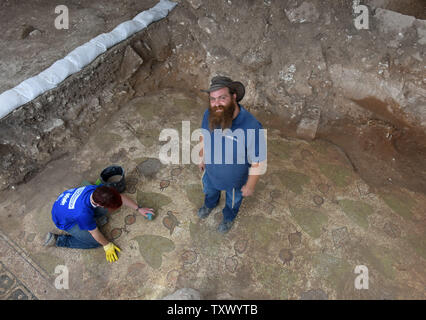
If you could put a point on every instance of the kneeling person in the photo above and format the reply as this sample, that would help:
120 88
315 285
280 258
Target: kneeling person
79 211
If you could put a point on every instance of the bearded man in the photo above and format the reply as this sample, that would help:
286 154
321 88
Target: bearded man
233 153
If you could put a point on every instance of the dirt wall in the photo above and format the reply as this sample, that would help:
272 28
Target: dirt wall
306 68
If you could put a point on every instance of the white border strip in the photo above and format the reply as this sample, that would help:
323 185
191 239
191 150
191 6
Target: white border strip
79 58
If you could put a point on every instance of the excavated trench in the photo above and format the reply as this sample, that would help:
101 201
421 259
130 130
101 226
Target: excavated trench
349 189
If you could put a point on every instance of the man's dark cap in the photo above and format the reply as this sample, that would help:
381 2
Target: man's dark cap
220 82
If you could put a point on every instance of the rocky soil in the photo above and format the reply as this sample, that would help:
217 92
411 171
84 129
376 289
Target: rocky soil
308 71
346 116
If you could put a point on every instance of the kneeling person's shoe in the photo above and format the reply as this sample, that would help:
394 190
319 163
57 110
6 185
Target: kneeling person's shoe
50 240
224 227
204 212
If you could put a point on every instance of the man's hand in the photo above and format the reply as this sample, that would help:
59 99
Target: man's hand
202 166
145 211
110 253
247 190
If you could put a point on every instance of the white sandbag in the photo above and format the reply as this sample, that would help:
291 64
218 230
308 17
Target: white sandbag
9 101
128 28
33 87
145 17
105 40
159 11
58 71
79 58
157 14
164 7
85 54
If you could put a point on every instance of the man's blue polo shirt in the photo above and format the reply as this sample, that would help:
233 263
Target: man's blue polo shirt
73 207
229 169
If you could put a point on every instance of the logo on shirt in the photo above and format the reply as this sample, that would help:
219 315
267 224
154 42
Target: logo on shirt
74 197
64 198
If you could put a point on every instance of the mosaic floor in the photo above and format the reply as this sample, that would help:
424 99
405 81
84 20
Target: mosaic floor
311 222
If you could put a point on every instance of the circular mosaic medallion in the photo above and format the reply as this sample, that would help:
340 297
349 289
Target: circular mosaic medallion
231 264
276 194
240 246
295 238
286 255
176 171
318 200
172 275
131 180
323 188
164 184
189 257
130 219
392 230
131 188
115 233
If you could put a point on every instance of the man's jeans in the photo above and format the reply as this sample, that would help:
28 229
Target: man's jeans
80 239
234 198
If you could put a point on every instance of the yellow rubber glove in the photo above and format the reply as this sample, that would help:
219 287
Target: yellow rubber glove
110 248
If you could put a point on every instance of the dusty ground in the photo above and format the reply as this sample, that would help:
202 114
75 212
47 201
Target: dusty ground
310 223
320 210
262 60
24 55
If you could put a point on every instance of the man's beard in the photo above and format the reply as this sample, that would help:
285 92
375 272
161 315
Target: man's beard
223 119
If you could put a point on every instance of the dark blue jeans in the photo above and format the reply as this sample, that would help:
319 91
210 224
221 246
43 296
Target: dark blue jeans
80 239
234 198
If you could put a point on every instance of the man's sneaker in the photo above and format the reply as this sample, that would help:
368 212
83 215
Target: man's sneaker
204 212
225 226
50 239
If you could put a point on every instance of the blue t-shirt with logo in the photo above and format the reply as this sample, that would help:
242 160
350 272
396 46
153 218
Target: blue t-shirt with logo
228 154
73 207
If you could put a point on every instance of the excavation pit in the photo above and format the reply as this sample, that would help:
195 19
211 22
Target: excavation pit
353 195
